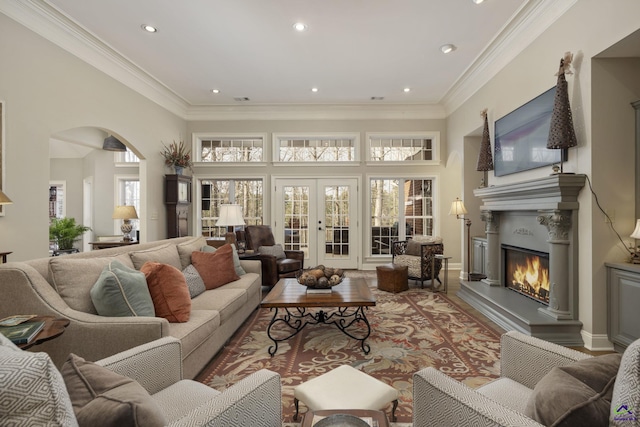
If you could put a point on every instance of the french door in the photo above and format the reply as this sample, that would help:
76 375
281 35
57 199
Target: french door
319 217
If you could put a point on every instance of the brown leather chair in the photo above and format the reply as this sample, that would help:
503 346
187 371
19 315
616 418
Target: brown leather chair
273 268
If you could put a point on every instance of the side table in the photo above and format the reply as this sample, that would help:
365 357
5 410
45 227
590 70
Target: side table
53 328
378 418
445 260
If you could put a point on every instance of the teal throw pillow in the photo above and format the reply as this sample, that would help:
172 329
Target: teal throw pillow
121 291
236 262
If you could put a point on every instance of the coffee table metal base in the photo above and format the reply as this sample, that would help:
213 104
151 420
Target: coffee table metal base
347 319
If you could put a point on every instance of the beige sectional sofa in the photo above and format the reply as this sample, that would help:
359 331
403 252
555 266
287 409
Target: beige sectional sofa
59 286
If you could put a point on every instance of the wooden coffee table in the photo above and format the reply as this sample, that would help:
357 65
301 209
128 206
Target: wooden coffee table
290 302
378 418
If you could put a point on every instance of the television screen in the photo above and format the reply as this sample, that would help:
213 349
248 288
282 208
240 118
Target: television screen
521 137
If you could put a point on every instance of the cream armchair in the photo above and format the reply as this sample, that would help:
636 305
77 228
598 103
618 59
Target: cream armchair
439 400
34 392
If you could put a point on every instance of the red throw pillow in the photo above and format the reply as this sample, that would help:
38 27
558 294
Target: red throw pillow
169 291
216 269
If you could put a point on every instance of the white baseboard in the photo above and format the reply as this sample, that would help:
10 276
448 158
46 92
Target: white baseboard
596 342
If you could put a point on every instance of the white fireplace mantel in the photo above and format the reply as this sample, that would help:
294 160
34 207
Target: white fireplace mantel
559 191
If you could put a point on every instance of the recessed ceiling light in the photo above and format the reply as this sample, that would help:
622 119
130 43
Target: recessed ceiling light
314 89
407 89
477 1
299 26
149 28
447 48
215 90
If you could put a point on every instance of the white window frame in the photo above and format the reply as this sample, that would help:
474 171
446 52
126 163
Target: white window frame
196 148
434 136
118 197
120 159
198 195
437 219
277 137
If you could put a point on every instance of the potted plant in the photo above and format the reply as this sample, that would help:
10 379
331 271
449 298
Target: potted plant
176 155
65 231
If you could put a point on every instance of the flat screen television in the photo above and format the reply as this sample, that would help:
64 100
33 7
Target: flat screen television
521 137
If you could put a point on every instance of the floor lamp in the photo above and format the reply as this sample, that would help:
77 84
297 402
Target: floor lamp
458 209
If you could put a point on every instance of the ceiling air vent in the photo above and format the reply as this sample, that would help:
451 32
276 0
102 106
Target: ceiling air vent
377 98
241 98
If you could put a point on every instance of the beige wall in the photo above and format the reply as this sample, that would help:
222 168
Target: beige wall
587 29
47 90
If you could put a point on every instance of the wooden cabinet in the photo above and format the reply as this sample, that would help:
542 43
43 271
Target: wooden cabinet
177 199
623 296
479 255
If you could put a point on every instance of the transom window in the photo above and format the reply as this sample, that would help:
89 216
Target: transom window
316 148
400 208
229 148
422 147
248 193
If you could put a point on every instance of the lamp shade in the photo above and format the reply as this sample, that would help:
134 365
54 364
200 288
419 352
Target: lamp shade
111 143
230 215
125 212
636 232
4 200
457 208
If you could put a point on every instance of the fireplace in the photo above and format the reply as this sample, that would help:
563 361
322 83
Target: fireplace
535 219
526 272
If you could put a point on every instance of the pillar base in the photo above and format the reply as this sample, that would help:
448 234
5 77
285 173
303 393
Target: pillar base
556 314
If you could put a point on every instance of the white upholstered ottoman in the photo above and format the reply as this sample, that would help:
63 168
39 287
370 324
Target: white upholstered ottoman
345 388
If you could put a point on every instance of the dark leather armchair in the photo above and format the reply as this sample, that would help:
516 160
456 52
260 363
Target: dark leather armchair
273 268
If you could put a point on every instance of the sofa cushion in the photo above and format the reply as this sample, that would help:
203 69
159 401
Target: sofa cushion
121 291
225 301
185 249
275 250
33 391
236 262
413 248
165 254
576 394
101 397
169 292
216 269
625 402
72 278
194 281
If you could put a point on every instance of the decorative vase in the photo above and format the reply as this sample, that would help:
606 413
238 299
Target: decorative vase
178 169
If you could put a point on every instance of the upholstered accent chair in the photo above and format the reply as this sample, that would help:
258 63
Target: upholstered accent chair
538 379
35 392
418 255
277 263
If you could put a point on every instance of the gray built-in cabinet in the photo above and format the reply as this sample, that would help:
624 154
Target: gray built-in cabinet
479 257
623 304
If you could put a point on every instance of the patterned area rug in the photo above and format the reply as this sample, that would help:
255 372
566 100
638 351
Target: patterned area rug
410 331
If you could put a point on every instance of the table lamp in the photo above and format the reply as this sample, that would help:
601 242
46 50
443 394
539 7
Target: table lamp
635 257
126 214
230 216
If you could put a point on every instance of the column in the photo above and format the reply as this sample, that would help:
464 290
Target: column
558 225
492 267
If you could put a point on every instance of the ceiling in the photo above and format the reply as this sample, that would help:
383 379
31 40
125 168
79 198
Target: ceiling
352 50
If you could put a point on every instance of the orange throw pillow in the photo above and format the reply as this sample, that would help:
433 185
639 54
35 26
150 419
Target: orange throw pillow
169 291
216 269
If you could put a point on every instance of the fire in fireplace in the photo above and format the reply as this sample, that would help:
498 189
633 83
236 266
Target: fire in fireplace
526 272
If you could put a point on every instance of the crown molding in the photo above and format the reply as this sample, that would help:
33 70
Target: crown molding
47 21
528 23
317 112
